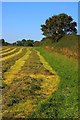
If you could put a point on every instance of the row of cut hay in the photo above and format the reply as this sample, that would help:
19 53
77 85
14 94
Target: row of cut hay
11 52
64 102
3 47
8 57
5 53
33 65
32 88
45 64
7 63
50 82
6 50
37 71
11 74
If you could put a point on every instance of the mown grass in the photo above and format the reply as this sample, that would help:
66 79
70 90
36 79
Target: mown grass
6 49
64 102
35 83
9 62
10 52
16 68
61 104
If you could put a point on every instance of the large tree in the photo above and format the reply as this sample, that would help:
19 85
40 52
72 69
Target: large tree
58 25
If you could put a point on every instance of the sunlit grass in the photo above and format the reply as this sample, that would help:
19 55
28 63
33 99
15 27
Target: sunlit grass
64 102
8 52
16 68
32 88
7 57
45 64
9 62
41 84
5 49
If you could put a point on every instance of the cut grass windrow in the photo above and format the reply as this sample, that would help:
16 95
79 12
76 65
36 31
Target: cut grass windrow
11 61
10 51
9 76
6 50
8 57
48 85
45 64
64 102
35 84
3 48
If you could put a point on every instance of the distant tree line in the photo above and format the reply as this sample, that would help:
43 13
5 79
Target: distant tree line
25 42
22 42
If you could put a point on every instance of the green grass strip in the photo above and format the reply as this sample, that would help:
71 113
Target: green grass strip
51 81
64 102
45 63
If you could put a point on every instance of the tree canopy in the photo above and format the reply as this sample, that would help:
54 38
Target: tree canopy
24 42
58 25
